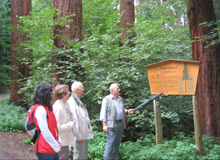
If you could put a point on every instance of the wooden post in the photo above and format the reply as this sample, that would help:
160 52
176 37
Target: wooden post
158 122
197 123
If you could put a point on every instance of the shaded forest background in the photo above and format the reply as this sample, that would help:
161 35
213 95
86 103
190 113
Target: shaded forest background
161 32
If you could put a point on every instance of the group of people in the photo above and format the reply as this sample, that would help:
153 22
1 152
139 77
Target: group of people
66 123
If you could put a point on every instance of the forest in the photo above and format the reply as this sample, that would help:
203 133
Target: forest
100 42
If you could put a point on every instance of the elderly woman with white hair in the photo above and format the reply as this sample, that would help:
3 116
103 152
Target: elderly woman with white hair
83 129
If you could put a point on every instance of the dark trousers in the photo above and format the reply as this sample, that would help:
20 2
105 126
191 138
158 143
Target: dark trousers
43 156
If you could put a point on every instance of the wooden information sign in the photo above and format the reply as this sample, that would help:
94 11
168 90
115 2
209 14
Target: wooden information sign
173 77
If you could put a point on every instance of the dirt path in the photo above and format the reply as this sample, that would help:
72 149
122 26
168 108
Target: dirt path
2 95
12 146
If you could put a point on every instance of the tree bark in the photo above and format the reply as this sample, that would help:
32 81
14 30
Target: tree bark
200 11
127 16
16 10
71 33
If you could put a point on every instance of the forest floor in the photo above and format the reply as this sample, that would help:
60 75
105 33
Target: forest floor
12 146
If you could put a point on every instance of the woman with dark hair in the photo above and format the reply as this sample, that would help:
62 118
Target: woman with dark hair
65 119
46 145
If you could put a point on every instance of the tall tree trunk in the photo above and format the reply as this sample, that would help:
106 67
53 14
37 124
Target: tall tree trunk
200 11
127 16
71 33
16 10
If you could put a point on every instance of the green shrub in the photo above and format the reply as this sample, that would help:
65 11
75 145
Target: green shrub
211 148
97 146
180 147
11 117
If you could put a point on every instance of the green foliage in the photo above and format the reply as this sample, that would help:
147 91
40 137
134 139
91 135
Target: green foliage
28 141
11 117
38 5
99 16
101 59
106 61
38 49
5 44
175 116
178 148
97 146
211 148
216 4
212 38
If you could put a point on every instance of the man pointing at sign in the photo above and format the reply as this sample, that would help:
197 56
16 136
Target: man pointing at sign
112 115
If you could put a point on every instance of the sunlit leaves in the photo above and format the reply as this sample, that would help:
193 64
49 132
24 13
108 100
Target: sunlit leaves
101 58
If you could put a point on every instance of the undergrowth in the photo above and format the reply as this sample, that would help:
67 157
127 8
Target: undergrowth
180 147
11 117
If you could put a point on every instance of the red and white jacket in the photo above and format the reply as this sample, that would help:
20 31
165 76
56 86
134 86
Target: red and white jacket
45 121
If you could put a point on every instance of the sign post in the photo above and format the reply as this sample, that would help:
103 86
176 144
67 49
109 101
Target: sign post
158 121
175 77
197 123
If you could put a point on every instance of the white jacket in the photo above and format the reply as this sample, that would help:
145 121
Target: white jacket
64 123
82 129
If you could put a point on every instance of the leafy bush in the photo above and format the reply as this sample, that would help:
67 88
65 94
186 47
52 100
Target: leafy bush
97 145
146 149
11 117
211 148
180 147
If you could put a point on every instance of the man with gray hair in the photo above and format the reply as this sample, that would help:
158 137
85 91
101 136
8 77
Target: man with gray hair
112 116
82 129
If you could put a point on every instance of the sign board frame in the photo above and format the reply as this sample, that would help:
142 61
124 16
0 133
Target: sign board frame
173 77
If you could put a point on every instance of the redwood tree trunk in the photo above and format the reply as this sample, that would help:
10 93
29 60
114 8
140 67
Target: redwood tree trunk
127 16
200 11
16 10
71 33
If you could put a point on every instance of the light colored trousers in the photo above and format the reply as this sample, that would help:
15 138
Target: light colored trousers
81 150
64 153
113 138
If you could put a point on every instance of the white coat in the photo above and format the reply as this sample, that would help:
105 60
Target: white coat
82 129
64 123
